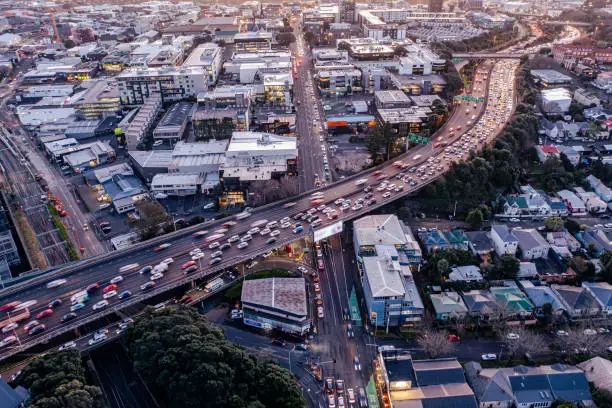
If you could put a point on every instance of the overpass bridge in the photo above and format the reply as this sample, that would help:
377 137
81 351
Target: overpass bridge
487 55
102 268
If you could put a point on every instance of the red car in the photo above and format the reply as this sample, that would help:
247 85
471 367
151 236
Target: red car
453 338
381 177
110 287
161 247
92 288
376 173
44 313
9 306
188 264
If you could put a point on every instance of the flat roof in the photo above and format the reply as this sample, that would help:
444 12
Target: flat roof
283 294
384 276
550 75
257 141
379 230
162 179
199 148
392 96
176 115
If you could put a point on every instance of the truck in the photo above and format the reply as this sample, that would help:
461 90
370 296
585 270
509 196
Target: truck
15 317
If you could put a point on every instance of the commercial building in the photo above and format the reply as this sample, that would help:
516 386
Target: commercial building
564 52
172 84
404 120
391 99
172 125
550 77
484 20
176 184
253 156
101 97
386 250
219 124
278 88
252 41
143 121
555 101
87 156
408 383
276 303
209 57
117 185
339 81
47 110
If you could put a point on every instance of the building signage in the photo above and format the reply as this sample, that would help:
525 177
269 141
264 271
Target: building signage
328 231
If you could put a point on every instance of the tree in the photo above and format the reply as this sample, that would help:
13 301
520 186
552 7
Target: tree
190 364
400 51
553 223
58 380
475 218
508 266
572 226
605 261
285 38
309 38
585 270
443 267
435 343
583 340
527 341
221 43
152 219
68 43
267 191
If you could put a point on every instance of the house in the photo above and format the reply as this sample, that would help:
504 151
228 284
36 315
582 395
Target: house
574 204
595 240
598 371
564 275
448 305
512 301
434 240
556 205
482 304
602 292
527 270
531 243
563 239
515 206
572 154
504 241
12 398
530 387
547 151
577 301
479 243
592 202
457 239
467 273
540 295
597 113
585 97
600 188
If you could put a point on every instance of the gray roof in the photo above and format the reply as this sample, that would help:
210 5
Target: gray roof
531 388
438 372
601 290
10 398
379 230
487 389
284 294
176 115
570 386
504 233
480 241
529 238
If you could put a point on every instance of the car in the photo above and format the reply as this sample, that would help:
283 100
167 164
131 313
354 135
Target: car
225 246
68 345
514 220
190 269
195 251
214 245
297 230
329 384
8 340
253 231
603 330
67 317
512 336
340 386
350 393
331 401
320 312
161 247
356 364
243 245
270 241
188 264
251 264
116 280
489 357
125 294
44 313
92 288
215 261
148 285
387 194
216 254
562 333
110 294
317 287
10 306
156 276
198 255
56 283
453 338
145 269
246 237
167 261
208 206
264 231
77 306
109 288
363 400
54 303
589 332
279 342
97 340
37 329
100 305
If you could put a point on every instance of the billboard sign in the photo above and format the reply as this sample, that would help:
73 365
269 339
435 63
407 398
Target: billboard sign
328 231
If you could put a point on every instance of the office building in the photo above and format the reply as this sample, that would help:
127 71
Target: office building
386 250
276 303
175 184
555 101
391 99
142 123
339 81
172 84
253 41
101 97
347 11
209 57
404 120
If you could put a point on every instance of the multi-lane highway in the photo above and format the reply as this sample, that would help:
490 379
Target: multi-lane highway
104 268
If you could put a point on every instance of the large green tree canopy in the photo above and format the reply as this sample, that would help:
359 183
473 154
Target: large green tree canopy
190 363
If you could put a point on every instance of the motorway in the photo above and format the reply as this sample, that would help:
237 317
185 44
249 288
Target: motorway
102 269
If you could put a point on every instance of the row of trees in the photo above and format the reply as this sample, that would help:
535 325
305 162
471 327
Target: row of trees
189 363
57 380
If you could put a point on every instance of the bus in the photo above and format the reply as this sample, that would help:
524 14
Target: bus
15 317
214 285
129 267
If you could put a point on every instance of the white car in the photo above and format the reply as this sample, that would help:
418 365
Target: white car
56 283
514 220
97 339
562 333
243 245
197 256
275 233
488 357
10 327
233 238
264 231
252 231
285 225
387 194
100 305
284 220
116 279
512 336
8 340
156 276
110 294
167 261
195 251
246 238
66 346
